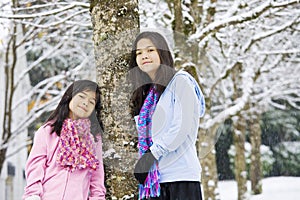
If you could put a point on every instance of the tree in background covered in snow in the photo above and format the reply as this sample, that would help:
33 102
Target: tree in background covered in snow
45 45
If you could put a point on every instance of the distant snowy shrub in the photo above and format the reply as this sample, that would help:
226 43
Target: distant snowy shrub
267 158
288 158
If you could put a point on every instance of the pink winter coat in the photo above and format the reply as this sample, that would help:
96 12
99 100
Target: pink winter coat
52 182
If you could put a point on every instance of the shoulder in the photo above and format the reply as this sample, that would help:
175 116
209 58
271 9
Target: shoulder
182 73
183 78
45 128
182 81
44 131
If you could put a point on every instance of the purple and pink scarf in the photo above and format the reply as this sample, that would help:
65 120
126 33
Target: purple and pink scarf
151 186
76 148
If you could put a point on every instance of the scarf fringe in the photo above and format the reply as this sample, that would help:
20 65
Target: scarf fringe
151 188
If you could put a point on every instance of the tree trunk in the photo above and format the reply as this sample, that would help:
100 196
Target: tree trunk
240 171
2 158
115 25
207 156
207 141
181 55
9 74
239 135
255 167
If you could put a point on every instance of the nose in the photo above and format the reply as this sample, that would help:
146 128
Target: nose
85 103
145 56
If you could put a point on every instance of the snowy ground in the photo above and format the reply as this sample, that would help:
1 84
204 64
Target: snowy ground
274 188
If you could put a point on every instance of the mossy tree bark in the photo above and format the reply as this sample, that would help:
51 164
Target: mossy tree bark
255 167
240 171
115 25
239 136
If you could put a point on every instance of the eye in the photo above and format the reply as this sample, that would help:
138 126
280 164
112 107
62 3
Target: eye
138 52
92 102
81 96
151 49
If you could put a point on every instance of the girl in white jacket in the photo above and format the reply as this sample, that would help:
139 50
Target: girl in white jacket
167 106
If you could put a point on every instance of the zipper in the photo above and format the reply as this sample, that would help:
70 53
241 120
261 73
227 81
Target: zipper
66 183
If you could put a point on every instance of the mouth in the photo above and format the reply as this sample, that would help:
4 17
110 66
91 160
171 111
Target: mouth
82 108
144 63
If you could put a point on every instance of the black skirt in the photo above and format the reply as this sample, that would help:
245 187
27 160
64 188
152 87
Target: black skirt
181 190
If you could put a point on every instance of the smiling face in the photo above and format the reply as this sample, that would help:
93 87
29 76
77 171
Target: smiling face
147 57
82 104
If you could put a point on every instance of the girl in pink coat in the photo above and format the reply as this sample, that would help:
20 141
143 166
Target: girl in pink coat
65 162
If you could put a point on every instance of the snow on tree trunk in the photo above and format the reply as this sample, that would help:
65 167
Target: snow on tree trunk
240 160
239 137
207 156
207 145
115 25
255 166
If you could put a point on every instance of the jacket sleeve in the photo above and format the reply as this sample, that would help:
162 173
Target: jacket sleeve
185 113
97 188
36 165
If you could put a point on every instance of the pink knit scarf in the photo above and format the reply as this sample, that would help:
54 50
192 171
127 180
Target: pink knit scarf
76 145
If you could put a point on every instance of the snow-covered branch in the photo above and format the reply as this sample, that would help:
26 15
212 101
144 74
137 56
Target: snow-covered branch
222 76
35 63
266 34
238 105
44 13
213 27
280 52
56 23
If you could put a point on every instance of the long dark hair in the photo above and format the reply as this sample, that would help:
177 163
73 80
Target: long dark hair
141 82
62 110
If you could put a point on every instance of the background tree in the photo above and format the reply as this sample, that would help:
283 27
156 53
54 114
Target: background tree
115 25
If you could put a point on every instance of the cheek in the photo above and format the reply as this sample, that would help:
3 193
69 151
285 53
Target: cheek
91 109
157 59
71 105
138 60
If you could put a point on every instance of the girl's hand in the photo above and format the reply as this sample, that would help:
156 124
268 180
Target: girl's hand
143 166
